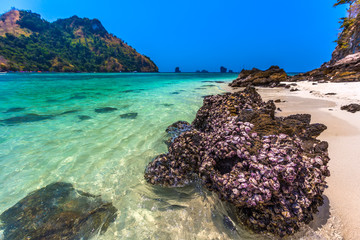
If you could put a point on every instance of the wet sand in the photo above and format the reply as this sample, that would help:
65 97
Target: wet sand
339 217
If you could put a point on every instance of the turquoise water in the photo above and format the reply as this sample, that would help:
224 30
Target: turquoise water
105 154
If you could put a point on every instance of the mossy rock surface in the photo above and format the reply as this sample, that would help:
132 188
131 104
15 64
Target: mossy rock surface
57 211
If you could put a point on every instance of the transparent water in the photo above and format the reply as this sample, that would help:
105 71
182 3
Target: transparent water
106 154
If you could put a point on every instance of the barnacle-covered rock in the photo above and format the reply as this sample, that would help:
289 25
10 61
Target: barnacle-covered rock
271 169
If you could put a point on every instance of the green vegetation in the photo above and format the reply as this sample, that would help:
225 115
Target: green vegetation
347 23
68 45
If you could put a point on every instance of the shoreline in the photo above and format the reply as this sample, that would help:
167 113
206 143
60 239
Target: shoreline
343 131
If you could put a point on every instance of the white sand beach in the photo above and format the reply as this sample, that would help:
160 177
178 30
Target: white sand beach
341 219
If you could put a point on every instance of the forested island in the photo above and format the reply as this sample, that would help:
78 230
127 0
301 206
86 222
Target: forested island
30 43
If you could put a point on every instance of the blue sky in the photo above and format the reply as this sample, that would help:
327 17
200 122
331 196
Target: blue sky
198 34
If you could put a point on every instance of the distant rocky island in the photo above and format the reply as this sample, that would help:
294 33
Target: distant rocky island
30 43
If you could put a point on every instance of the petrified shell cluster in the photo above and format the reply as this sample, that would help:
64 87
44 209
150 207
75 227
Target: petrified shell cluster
272 169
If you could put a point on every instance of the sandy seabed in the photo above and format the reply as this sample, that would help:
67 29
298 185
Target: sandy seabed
339 217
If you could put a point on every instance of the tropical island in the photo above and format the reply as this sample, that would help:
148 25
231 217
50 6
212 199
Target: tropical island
30 43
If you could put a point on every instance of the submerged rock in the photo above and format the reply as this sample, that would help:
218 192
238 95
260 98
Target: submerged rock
353 108
31 117
105 110
57 211
271 169
129 115
69 112
14 109
84 117
255 77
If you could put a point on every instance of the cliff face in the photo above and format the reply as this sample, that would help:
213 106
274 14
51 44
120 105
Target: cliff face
349 39
29 43
344 65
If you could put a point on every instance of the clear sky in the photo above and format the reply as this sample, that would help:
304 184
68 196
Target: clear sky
206 34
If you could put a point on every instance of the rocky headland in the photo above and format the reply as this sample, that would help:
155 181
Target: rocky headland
271 169
30 43
255 77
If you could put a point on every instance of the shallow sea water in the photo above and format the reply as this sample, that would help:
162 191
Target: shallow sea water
105 154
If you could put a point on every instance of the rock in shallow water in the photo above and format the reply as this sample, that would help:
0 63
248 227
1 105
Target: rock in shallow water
129 115
84 117
31 117
252 159
105 110
57 211
14 109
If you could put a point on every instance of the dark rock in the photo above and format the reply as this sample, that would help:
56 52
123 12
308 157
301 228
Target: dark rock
57 211
129 115
223 69
167 104
314 83
69 112
315 129
204 71
277 101
84 117
175 93
353 107
287 86
266 167
105 110
271 77
304 118
219 81
15 109
343 70
31 117
231 71
77 97
177 70
228 223
330 94
294 90
321 147
209 85
177 128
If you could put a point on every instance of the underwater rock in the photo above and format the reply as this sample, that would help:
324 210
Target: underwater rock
353 107
84 117
69 112
31 117
167 104
57 211
271 77
129 115
272 169
77 97
105 110
14 109
175 93
177 70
